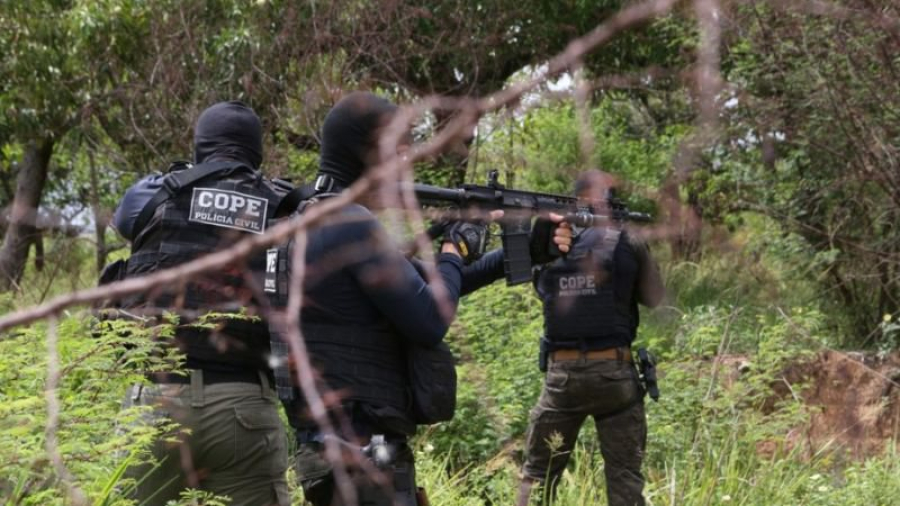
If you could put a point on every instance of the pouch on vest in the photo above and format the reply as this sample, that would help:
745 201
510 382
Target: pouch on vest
432 378
543 354
113 272
275 285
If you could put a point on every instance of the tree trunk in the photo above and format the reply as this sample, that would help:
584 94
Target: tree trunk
100 218
454 161
21 230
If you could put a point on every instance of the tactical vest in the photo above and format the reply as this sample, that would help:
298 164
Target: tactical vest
366 365
199 218
588 296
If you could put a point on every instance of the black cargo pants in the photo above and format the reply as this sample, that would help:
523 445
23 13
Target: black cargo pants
397 487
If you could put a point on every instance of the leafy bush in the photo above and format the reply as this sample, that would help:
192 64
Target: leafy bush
97 439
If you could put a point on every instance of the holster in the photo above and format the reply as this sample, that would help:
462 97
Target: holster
422 497
543 354
647 369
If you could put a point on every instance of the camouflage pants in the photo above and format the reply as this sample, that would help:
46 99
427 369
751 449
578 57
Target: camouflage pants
608 391
230 442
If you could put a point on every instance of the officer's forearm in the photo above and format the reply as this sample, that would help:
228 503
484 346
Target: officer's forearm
409 303
483 272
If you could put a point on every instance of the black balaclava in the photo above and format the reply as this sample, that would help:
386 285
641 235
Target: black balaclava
349 134
228 130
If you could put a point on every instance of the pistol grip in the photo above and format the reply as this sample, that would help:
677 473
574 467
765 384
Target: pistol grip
554 250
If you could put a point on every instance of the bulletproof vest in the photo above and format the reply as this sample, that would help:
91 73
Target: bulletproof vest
205 216
588 296
366 365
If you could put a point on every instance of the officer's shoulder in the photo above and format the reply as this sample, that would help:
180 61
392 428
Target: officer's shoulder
353 217
633 239
357 209
150 182
637 244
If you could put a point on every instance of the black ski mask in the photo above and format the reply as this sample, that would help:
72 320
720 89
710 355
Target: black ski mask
228 130
350 134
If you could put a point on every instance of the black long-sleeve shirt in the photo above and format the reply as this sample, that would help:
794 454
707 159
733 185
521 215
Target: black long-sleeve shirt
357 276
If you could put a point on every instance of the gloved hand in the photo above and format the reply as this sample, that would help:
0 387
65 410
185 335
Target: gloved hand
469 239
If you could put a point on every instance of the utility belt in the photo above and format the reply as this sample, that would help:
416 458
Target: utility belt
558 350
621 354
197 380
203 377
646 362
312 435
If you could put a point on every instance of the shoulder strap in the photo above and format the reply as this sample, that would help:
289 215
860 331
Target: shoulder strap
611 237
324 185
292 200
605 247
175 181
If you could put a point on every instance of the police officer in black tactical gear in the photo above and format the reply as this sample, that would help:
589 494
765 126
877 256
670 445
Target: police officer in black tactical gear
590 299
365 307
231 441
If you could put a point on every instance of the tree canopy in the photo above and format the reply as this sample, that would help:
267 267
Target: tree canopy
99 93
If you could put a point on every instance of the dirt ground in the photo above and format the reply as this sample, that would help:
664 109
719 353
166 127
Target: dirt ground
854 401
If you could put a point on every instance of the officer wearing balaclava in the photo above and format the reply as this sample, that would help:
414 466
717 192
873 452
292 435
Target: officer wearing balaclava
230 439
365 305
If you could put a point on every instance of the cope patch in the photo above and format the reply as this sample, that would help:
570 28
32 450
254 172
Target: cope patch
229 209
270 284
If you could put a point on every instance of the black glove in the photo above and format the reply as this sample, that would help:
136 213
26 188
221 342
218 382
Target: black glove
542 247
469 238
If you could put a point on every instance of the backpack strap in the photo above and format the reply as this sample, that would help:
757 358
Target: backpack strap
173 182
290 202
604 249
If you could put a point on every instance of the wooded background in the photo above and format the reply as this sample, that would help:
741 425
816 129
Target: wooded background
96 94
763 136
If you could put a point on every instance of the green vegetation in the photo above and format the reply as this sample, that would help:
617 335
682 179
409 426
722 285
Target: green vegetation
776 231
718 435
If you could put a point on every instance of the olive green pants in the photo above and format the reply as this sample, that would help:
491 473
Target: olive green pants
607 390
230 442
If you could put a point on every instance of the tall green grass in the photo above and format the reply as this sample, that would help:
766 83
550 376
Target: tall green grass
730 472
718 436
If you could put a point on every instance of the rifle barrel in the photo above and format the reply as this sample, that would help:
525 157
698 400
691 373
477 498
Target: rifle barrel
541 204
428 193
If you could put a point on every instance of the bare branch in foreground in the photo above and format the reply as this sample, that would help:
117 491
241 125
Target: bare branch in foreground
627 18
76 495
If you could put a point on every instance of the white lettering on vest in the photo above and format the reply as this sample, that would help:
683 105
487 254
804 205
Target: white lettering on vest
230 209
253 207
581 284
237 202
205 199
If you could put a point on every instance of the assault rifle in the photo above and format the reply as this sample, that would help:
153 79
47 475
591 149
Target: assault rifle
520 207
